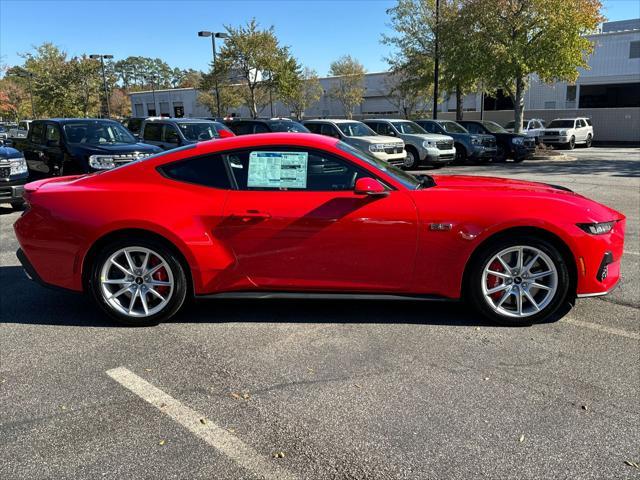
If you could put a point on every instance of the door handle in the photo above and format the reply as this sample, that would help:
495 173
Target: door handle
251 215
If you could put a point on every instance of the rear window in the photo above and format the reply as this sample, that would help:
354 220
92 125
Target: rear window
288 126
208 171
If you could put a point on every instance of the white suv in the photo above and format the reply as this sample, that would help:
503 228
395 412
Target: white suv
531 128
567 132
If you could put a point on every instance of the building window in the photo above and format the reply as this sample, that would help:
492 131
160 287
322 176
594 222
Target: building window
634 49
138 110
615 95
178 110
164 109
151 110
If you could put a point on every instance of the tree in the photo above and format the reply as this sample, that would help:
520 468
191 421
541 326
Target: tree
526 37
348 87
14 100
298 88
407 94
252 57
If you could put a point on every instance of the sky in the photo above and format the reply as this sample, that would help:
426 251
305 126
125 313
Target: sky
317 32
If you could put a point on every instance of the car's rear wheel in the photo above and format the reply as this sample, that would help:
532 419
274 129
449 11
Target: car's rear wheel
588 141
138 282
519 281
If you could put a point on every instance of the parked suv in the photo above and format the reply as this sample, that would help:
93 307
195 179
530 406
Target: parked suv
472 148
510 145
422 148
13 175
531 128
133 124
79 145
168 133
357 134
567 132
265 125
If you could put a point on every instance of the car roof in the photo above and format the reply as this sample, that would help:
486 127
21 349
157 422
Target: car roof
332 120
70 120
386 120
180 120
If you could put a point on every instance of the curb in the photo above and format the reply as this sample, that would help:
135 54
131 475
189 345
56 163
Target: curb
553 158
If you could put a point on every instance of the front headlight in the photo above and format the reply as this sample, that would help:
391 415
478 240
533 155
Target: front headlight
101 162
376 147
428 144
597 228
18 166
517 140
563 133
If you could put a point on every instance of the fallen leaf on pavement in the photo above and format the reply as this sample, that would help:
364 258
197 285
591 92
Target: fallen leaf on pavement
632 464
203 421
236 395
278 455
161 442
246 396
357 385
147 369
521 438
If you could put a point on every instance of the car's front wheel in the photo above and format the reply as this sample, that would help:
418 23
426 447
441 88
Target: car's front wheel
519 281
138 282
572 143
411 160
588 141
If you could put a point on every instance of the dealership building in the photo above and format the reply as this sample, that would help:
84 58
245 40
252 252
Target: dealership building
608 92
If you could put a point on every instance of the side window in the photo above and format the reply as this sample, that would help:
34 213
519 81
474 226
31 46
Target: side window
429 127
373 126
473 128
580 123
242 128
260 128
53 134
384 129
171 134
313 127
37 133
589 122
292 170
329 130
209 171
153 132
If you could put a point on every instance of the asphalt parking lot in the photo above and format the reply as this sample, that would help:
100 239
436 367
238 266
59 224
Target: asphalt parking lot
339 390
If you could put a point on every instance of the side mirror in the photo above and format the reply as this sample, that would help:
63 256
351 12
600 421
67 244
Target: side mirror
371 187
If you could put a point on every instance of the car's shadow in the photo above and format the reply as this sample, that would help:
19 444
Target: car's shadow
25 302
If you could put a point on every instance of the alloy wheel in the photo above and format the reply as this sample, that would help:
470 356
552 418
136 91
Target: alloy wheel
409 160
136 281
519 281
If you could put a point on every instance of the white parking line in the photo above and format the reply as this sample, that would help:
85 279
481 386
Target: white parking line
626 252
216 436
602 328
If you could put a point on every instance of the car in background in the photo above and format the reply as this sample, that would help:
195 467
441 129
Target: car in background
510 145
473 148
297 215
63 146
13 175
169 133
422 148
531 128
133 124
568 132
4 132
21 130
264 125
357 134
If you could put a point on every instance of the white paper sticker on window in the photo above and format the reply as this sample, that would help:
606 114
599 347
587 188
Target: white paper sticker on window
278 170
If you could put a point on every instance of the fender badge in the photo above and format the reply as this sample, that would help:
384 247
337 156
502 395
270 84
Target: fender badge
440 227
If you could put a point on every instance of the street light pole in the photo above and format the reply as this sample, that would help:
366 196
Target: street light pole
436 65
104 79
213 45
29 75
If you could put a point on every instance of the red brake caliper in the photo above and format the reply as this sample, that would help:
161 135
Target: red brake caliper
161 276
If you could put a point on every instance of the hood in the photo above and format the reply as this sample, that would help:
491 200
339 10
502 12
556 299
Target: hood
557 129
378 139
120 148
8 152
434 137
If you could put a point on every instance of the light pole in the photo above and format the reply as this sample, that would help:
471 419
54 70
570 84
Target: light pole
213 36
436 66
104 79
29 76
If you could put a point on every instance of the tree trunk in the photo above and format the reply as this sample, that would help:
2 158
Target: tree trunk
459 103
518 105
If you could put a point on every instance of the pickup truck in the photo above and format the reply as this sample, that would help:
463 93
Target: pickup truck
21 130
67 146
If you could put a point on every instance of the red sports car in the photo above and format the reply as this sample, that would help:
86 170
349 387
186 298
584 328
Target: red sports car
302 215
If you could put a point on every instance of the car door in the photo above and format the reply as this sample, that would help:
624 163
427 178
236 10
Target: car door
53 151
581 130
34 152
293 222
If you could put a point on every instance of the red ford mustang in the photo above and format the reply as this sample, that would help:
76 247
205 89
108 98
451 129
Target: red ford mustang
302 214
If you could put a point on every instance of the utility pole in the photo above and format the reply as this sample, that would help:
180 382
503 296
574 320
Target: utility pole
436 65
213 45
104 79
29 76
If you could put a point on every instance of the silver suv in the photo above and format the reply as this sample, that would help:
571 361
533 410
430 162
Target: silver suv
422 148
357 134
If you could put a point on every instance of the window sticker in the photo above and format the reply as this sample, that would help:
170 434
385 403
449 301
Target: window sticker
278 170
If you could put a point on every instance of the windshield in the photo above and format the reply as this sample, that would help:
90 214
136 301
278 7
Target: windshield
288 126
453 127
561 124
401 176
198 132
355 129
2 129
408 127
97 132
493 127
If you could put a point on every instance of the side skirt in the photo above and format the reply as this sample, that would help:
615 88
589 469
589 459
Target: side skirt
322 296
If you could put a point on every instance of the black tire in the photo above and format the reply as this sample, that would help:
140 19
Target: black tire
411 160
176 298
587 143
572 143
461 153
473 281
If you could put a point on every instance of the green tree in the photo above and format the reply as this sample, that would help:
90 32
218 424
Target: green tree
348 86
407 94
298 88
526 37
230 96
251 57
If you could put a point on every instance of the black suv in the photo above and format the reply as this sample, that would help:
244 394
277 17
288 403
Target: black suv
169 133
258 125
64 146
133 124
13 176
469 147
510 145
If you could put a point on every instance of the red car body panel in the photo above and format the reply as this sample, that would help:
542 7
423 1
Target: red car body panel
238 240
